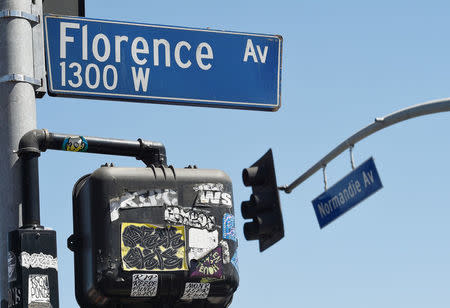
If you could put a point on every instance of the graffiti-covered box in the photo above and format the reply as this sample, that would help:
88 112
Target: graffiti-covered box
158 236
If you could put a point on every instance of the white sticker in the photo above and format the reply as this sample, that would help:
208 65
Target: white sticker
201 242
212 194
225 252
187 217
12 263
38 290
40 260
144 285
142 198
195 290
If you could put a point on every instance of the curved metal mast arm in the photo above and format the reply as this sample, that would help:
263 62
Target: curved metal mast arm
435 106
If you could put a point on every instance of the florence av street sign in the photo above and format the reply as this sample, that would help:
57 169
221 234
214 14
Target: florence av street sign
100 59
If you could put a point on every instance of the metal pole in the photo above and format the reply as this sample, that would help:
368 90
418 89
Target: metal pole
17 115
435 106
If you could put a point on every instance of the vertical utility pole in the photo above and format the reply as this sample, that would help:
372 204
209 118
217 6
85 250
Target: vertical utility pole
17 114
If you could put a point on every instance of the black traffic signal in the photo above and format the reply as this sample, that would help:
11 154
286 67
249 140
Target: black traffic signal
264 204
154 237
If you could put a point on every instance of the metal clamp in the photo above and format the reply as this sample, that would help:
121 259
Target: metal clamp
325 184
352 161
21 78
19 14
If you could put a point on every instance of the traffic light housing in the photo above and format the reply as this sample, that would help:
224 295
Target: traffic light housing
154 237
264 204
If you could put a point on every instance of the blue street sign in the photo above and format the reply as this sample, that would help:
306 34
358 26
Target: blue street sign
102 59
348 192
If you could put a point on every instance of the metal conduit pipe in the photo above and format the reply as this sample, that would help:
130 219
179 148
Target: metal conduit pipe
39 140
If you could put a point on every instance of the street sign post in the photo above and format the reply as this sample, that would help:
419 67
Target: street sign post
101 59
348 192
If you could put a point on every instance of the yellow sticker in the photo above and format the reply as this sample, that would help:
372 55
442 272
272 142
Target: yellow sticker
146 247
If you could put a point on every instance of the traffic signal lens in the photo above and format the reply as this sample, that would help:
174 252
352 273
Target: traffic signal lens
252 176
249 208
251 231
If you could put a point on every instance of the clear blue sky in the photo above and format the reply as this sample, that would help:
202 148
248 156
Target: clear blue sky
344 63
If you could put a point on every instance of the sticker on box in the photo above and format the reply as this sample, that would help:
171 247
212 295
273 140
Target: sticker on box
38 291
38 260
201 242
146 247
210 266
212 194
144 285
142 198
229 228
195 290
189 218
225 252
12 264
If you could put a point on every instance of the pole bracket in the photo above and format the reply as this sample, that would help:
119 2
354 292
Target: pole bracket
21 78
20 14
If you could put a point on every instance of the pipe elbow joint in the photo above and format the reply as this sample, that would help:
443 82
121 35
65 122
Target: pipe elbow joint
32 143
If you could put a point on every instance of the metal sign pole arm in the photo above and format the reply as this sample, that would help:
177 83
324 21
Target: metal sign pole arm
435 106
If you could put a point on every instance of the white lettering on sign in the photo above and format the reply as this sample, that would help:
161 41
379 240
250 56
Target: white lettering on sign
119 39
140 79
177 54
344 196
64 38
138 49
199 55
166 45
106 44
101 48
250 52
135 50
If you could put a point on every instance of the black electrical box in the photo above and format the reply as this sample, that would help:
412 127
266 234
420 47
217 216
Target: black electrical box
154 237
32 269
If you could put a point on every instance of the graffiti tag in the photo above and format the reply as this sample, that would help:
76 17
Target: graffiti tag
144 285
38 289
189 218
212 194
14 297
229 228
149 248
38 260
210 266
195 290
143 198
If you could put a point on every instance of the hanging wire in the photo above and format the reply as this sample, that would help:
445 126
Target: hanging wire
352 161
325 177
